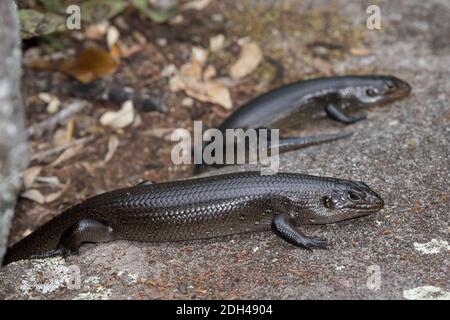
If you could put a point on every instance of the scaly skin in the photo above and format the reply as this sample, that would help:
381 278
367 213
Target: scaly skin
203 208
292 104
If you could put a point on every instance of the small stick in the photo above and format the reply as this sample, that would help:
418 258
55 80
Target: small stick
49 124
43 154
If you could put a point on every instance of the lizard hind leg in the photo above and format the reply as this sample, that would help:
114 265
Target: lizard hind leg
86 230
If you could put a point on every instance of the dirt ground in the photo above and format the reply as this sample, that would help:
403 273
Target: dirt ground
401 150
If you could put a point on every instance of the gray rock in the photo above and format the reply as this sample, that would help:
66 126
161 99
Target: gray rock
13 149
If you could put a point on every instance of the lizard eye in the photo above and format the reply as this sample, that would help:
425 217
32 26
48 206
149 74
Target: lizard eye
390 85
372 92
354 196
326 202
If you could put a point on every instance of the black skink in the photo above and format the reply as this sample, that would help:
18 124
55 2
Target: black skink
292 104
203 208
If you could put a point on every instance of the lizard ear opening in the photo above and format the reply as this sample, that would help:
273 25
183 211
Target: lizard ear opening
326 202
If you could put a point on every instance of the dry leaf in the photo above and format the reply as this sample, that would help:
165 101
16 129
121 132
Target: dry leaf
178 19
49 180
33 195
44 96
187 102
55 195
249 58
176 83
59 137
70 129
97 31
52 101
112 36
119 119
113 144
90 65
199 55
30 175
67 154
196 5
169 71
116 51
34 58
360 51
209 91
198 83
209 73
191 70
127 52
216 43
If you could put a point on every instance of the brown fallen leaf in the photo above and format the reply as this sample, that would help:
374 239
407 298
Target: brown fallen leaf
360 51
192 70
97 31
116 51
33 195
126 52
30 175
59 137
90 65
48 198
113 144
119 119
34 58
195 5
209 73
158 132
197 81
67 154
249 59
52 101
216 43
199 55
209 91
112 36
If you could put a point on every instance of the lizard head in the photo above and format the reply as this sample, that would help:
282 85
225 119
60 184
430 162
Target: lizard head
371 90
345 200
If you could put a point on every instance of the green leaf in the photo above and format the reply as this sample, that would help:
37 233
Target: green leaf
35 23
98 10
158 16
55 6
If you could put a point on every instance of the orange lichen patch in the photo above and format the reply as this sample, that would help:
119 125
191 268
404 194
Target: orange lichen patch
90 65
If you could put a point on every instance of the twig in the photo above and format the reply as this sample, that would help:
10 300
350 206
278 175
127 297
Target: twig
49 124
43 154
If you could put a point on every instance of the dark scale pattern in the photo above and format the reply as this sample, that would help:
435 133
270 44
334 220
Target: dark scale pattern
194 209
299 102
